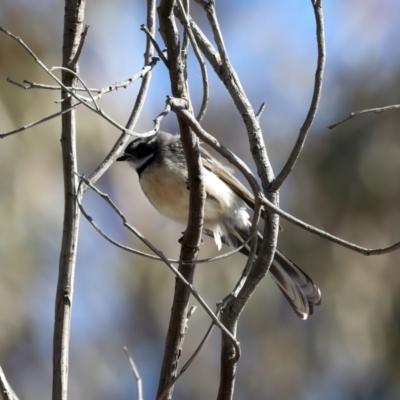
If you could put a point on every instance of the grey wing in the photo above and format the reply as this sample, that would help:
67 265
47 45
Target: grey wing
299 289
223 173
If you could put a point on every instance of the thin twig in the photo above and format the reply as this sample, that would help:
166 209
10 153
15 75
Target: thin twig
325 235
139 102
99 91
190 313
135 374
223 68
6 390
161 255
354 114
97 108
80 46
260 110
185 40
243 168
203 135
286 170
38 122
157 122
203 67
215 144
141 253
155 44
69 91
122 142
262 267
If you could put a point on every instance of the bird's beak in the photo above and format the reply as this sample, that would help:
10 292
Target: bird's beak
124 157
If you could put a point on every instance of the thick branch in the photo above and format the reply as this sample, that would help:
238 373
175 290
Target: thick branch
223 68
192 237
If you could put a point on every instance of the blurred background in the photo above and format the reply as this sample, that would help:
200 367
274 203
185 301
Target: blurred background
347 182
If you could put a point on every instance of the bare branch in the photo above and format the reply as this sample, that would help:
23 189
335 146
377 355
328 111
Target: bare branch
319 19
192 237
261 265
260 111
155 44
203 68
223 68
140 99
135 374
238 163
215 144
227 75
180 277
73 21
69 91
122 142
6 390
157 122
80 46
189 362
38 122
134 231
100 91
312 229
354 114
97 108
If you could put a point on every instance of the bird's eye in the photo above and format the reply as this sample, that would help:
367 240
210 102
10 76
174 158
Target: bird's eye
141 149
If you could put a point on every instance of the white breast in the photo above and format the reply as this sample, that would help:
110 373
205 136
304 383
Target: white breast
167 190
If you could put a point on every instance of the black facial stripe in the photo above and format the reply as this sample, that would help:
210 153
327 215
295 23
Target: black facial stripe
142 152
140 169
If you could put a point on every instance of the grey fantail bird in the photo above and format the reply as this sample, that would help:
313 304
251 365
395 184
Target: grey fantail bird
160 163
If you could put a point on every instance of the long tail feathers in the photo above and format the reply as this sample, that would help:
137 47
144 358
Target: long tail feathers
299 289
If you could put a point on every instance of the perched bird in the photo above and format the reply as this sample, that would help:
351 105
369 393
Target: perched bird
161 165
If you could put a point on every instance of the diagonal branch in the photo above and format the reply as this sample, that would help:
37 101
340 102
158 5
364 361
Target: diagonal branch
38 122
6 390
139 102
135 374
325 235
66 91
354 114
160 254
244 169
203 67
287 169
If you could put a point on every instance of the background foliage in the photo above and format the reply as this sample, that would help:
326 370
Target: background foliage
347 181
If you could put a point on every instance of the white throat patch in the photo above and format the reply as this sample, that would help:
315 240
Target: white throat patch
137 164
